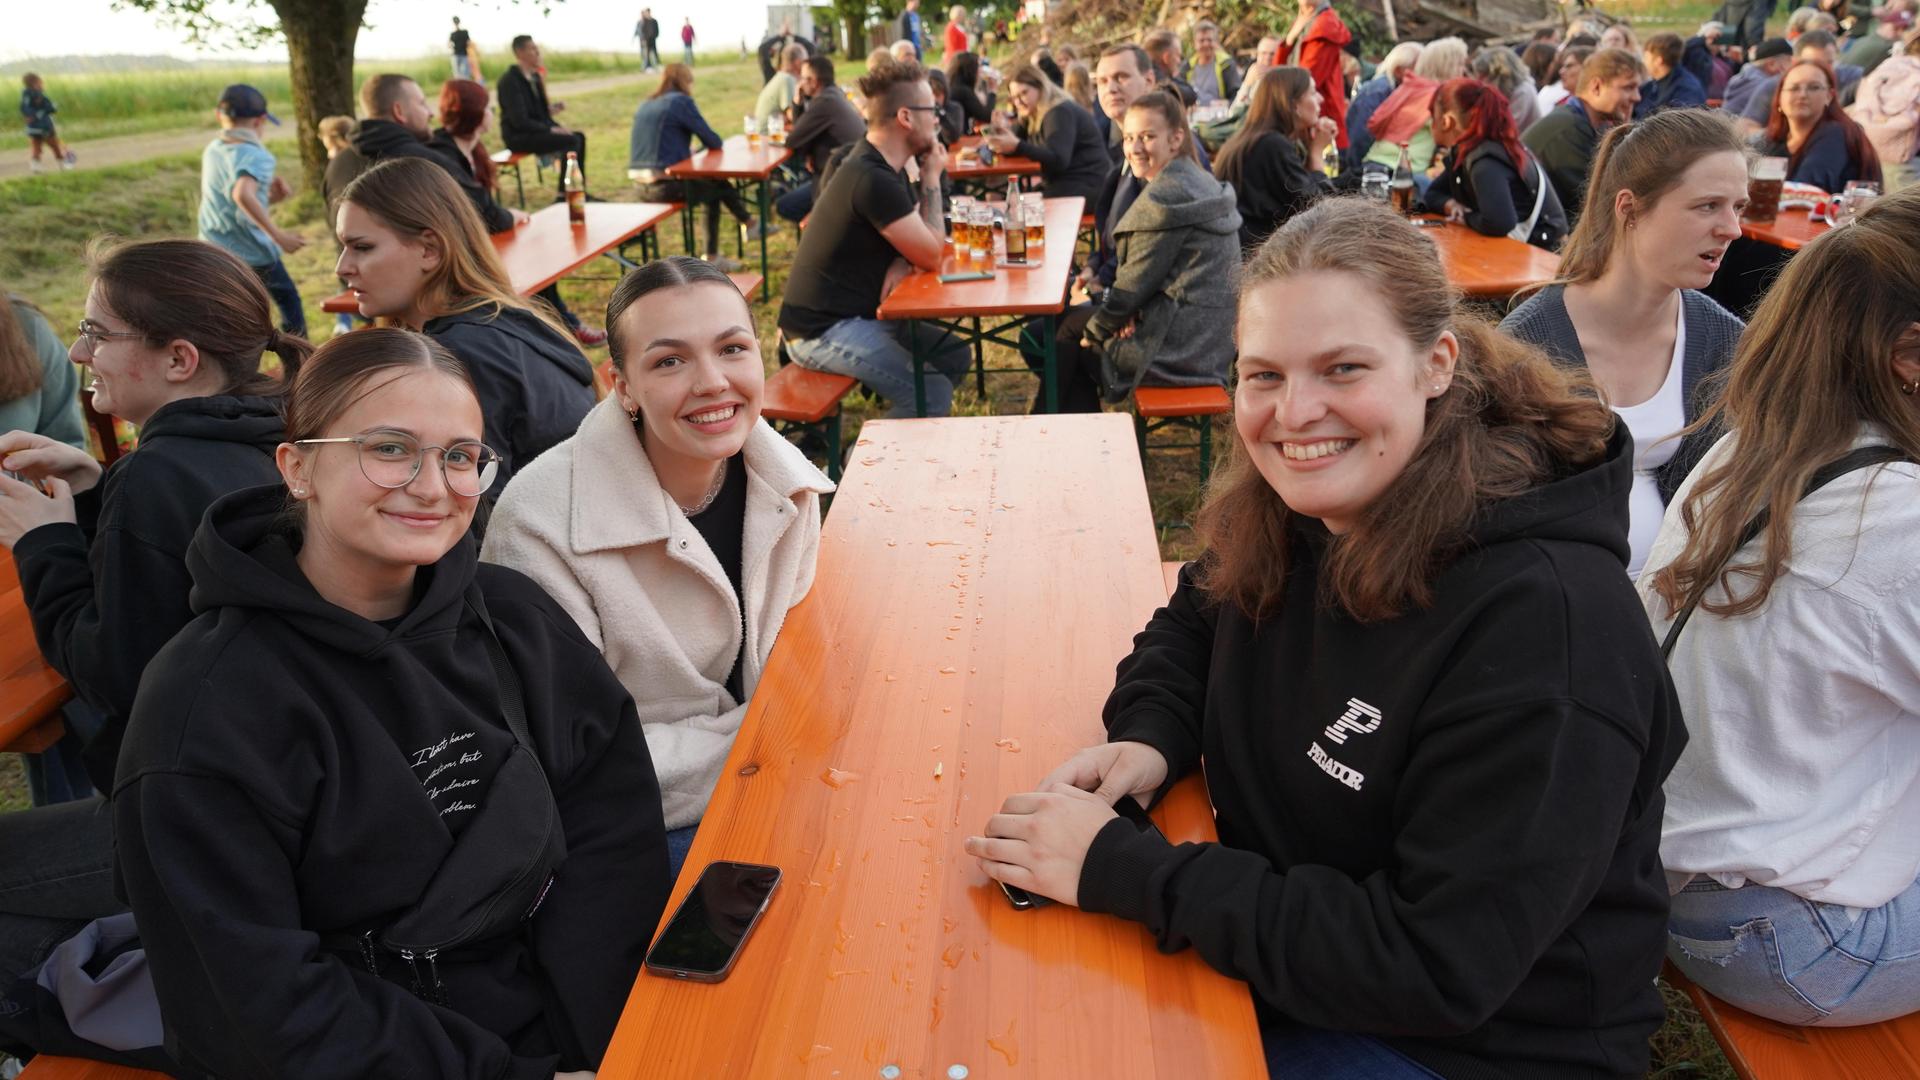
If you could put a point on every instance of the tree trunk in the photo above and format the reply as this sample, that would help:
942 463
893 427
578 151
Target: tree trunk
320 37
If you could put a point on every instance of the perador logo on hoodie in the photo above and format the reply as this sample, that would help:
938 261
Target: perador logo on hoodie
1359 719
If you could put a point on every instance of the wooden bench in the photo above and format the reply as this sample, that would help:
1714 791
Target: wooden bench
1762 1049
503 159
1189 407
801 397
47 1067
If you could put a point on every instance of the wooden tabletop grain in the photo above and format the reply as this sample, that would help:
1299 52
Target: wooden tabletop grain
548 247
1013 290
1792 230
942 661
31 693
1489 267
734 161
971 169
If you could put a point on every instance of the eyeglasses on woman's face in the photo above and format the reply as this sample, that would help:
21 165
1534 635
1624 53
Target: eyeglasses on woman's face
391 459
92 334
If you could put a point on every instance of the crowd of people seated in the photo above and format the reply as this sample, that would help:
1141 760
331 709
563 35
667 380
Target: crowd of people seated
1616 594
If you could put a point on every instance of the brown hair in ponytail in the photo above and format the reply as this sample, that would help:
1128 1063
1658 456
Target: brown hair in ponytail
1509 421
189 290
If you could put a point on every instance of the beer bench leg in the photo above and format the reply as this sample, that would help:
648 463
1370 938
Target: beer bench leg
919 376
519 188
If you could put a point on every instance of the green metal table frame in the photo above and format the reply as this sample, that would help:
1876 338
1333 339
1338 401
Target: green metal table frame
974 334
760 200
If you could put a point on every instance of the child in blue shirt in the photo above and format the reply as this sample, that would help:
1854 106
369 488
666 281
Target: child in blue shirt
236 171
38 109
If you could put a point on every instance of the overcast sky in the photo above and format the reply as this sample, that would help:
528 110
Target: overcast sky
400 28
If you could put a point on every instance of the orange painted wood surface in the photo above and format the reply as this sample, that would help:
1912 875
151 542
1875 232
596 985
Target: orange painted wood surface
1762 1049
1792 230
31 693
548 247
1171 571
1489 266
1013 290
747 282
47 1067
736 161
803 395
941 663
1154 402
964 162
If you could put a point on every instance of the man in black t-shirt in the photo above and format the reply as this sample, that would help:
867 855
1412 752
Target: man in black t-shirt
870 227
459 40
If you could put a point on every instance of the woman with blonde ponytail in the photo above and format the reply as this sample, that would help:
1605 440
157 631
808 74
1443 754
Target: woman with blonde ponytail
1791 817
1661 209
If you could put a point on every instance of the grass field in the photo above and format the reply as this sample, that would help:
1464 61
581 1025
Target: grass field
50 219
102 105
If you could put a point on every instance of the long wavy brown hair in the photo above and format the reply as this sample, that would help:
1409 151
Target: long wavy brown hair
21 372
1275 101
1816 360
1859 147
1508 422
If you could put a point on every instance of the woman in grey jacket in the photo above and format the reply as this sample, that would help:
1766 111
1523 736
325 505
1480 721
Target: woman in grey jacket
1663 206
1168 319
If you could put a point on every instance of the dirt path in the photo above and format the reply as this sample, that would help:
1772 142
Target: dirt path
127 149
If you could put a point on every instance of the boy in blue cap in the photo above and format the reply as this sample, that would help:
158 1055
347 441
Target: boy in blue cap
237 184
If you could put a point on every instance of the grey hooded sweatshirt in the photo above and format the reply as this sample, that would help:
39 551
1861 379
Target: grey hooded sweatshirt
1178 247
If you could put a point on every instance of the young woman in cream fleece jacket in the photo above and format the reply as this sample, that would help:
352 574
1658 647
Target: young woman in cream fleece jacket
677 545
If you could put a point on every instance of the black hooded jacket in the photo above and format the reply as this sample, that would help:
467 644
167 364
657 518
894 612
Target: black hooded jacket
1442 828
294 773
375 141
107 593
535 386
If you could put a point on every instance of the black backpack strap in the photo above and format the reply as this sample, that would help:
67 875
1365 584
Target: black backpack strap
1860 458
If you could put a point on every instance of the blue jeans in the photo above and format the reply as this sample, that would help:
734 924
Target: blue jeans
876 352
1296 1051
796 203
679 841
279 283
1796 961
56 875
462 66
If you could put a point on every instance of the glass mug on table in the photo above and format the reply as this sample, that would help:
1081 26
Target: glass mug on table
980 236
1373 185
958 224
752 127
1859 195
1033 209
1764 181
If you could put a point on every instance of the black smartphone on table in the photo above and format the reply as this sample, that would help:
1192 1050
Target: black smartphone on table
710 927
1128 807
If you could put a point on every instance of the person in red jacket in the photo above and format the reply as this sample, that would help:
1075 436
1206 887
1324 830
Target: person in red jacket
1320 35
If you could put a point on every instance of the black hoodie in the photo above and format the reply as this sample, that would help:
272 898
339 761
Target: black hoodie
107 593
535 386
293 770
375 141
1442 828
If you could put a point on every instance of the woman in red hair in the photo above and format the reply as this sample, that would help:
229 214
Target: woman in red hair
1490 181
1822 144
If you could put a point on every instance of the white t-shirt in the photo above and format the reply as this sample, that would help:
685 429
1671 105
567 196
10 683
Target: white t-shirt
1802 765
1652 423
1550 95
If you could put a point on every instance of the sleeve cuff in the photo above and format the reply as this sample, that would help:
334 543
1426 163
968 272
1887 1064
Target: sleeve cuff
47 538
1163 734
1120 865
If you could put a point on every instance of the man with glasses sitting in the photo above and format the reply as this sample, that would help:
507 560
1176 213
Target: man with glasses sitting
871 226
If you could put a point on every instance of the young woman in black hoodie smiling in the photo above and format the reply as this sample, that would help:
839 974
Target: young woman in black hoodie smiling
383 811
414 251
1433 718
173 334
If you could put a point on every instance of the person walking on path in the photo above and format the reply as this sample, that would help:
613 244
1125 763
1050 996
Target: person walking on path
648 31
914 29
460 40
38 109
686 40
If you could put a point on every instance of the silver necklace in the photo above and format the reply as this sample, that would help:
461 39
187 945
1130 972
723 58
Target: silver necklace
713 492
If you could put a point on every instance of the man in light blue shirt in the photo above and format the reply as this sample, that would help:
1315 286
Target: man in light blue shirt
237 184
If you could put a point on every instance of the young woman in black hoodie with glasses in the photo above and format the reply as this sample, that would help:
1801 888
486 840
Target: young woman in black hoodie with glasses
1433 717
382 810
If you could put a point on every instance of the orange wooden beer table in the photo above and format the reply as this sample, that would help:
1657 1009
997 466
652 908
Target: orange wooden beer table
31 693
744 166
1489 267
548 247
1030 297
973 175
942 661
1791 231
